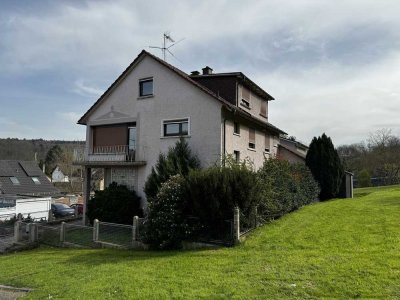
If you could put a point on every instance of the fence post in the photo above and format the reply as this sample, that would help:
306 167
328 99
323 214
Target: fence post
17 231
76 211
33 232
95 230
62 232
255 217
50 216
135 228
236 225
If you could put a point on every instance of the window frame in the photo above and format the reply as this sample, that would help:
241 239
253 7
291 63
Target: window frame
144 80
179 121
252 143
236 155
236 128
265 105
267 137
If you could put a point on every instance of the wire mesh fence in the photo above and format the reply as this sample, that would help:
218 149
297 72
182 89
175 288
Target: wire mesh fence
6 237
49 235
78 235
117 234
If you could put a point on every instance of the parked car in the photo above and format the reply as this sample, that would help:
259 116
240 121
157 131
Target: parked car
62 210
79 206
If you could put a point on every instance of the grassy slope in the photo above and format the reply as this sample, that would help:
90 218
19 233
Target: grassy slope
341 249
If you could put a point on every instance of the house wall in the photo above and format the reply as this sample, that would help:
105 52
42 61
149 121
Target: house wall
289 156
255 104
240 143
174 98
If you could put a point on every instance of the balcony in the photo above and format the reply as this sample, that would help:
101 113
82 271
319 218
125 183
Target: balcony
102 156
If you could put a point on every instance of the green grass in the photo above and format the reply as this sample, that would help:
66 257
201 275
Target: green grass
346 248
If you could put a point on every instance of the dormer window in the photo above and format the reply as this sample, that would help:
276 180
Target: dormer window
15 181
146 87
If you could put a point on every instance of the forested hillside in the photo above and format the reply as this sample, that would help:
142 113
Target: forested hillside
25 149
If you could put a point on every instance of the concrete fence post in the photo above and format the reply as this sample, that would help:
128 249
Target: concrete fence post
236 225
76 211
33 232
62 232
50 216
95 230
135 227
255 217
17 231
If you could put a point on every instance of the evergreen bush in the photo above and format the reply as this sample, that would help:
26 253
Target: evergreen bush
325 165
116 204
178 160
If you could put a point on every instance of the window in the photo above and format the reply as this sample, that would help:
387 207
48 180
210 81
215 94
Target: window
252 138
236 155
267 143
263 110
146 87
14 180
236 128
35 180
245 98
176 127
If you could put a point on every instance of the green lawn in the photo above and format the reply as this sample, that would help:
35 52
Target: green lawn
346 248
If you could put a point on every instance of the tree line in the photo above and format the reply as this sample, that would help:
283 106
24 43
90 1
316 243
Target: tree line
375 161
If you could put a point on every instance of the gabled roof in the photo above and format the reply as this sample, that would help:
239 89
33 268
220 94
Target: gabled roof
24 171
183 75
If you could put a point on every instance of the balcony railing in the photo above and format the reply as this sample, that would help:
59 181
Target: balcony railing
117 153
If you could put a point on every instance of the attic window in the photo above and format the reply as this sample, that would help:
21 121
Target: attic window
15 181
245 98
146 87
36 180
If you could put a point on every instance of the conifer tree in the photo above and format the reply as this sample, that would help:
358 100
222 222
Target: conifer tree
325 165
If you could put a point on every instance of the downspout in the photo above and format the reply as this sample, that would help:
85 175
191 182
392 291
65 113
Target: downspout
224 143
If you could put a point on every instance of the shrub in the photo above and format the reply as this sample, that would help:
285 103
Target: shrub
285 187
178 160
213 193
115 204
166 225
325 165
364 179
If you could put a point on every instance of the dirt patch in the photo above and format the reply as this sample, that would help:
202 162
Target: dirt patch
10 293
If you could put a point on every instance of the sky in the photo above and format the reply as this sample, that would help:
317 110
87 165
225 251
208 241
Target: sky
332 66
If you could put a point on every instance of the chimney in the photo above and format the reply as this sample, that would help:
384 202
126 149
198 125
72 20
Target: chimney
207 70
195 73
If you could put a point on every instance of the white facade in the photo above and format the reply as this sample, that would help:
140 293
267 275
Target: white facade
58 176
36 208
210 128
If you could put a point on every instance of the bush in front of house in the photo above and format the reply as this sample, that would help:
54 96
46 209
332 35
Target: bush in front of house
285 187
166 224
178 160
116 204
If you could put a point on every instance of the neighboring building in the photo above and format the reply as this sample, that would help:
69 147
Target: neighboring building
58 175
24 189
292 150
24 178
152 104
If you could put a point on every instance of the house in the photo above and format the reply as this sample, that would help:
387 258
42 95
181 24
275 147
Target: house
291 150
152 104
58 175
24 189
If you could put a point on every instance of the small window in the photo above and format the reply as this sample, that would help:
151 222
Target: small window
267 143
236 155
245 98
176 127
15 181
252 138
146 87
36 180
263 110
236 128
245 103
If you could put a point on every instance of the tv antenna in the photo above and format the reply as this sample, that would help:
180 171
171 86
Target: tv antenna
164 49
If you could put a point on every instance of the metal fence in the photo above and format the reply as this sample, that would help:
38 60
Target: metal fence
77 235
48 235
117 234
6 237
